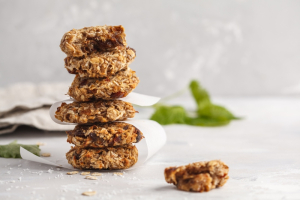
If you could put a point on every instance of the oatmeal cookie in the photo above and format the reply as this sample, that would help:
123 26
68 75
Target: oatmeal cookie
99 65
82 42
93 112
104 135
199 176
103 158
111 87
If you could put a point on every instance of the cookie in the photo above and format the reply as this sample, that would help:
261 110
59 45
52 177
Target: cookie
199 176
111 87
103 158
104 135
100 64
94 112
82 42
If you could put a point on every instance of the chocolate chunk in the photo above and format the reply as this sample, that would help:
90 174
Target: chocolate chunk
76 132
72 71
100 45
111 143
139 135
77 155
94 136
117 139
118 95
68 116
83 82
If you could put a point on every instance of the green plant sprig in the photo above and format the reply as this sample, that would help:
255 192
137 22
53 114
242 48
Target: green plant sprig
207 113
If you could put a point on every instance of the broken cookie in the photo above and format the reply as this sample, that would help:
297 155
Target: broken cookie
199 176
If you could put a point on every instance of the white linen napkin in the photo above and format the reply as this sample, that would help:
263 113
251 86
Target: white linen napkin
28 104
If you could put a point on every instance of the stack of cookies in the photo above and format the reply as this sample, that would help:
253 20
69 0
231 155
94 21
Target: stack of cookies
99 57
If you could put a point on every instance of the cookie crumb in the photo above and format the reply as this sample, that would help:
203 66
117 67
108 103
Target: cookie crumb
118 174
96 174
41 143
85 173
89 193
46 154
73 172
91 177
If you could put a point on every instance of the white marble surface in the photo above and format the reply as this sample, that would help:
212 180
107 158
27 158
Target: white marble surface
261 150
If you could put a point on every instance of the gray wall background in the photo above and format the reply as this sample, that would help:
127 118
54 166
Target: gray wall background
232 47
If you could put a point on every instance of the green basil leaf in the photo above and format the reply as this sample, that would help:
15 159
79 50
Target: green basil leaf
177 115
200 95
208 114
169 115
203 121
216 112
12 150
205 107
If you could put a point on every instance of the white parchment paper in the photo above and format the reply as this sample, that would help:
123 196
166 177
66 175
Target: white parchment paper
155 138
140 99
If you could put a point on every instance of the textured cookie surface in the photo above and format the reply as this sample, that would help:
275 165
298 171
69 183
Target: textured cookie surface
103 158
82 42
102 64
93 112
104 135
199 176
111 87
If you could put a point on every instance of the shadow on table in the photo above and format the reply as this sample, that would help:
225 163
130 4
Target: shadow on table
166 188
